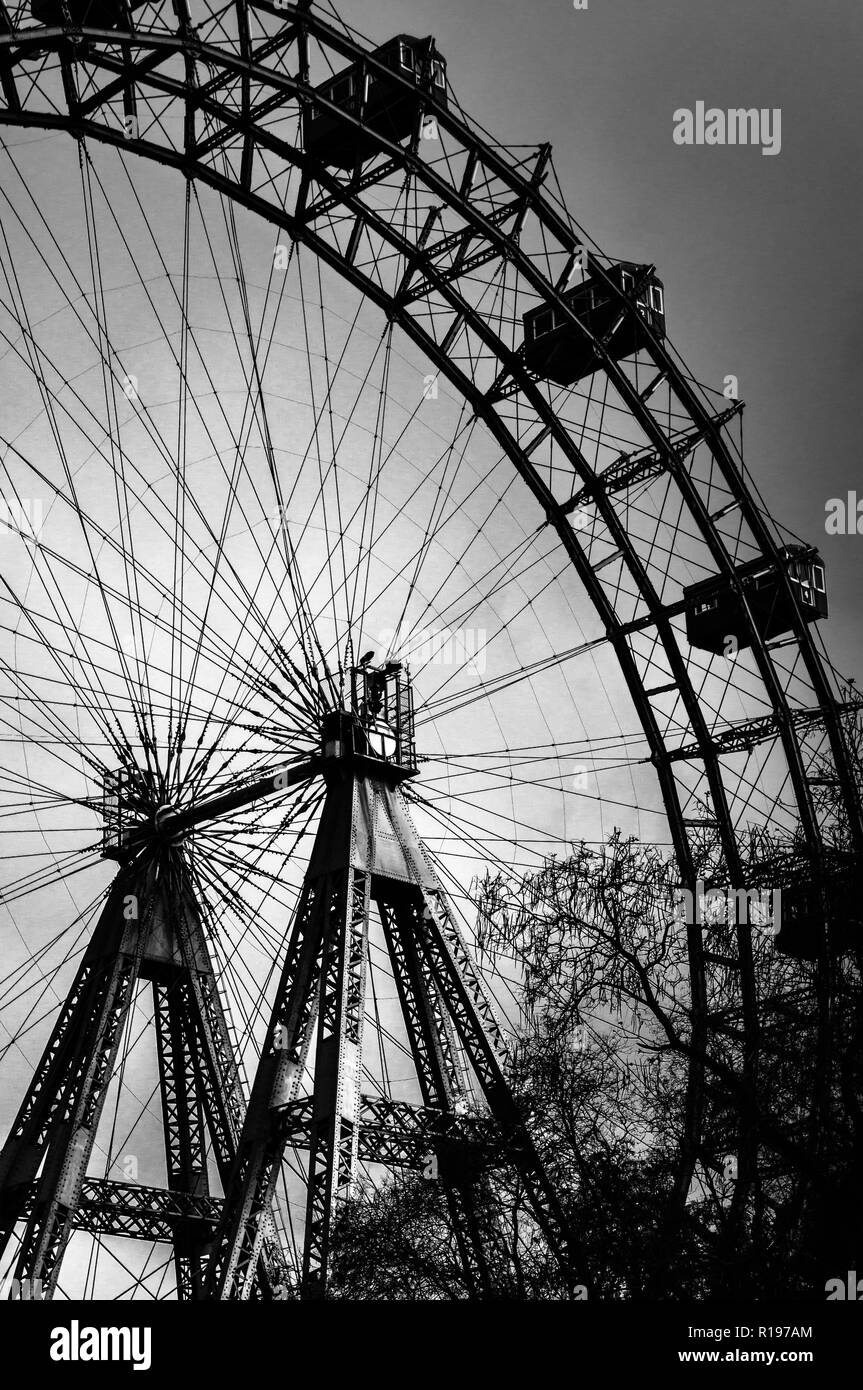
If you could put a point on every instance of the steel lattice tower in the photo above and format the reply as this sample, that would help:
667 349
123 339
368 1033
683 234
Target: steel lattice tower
366 855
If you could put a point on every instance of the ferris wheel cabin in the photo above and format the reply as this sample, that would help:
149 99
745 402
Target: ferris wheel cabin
828 917
555 348
377 722
387 108
714 611
101 14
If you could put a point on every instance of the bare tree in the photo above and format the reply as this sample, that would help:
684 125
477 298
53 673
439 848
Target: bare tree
606 1050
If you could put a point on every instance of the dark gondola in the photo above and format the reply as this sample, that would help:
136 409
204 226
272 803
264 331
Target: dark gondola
387 108
555 348
715 613
99 14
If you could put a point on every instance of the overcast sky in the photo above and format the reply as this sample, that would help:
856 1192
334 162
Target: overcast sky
760 255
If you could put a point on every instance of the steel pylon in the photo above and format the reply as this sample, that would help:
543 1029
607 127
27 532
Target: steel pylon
149 930
367 853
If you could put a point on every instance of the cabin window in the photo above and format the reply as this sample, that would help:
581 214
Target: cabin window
656 299
818 579
706 606
406 57
340 92
438 75
543 323
629 285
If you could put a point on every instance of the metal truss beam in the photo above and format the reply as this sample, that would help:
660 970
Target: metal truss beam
183 1122
748 734
399 1134
393 1133
140 1213
640 467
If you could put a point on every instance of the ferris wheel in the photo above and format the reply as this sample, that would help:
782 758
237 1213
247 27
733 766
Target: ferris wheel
361 530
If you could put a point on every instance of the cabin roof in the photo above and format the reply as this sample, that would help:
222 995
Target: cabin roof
752 569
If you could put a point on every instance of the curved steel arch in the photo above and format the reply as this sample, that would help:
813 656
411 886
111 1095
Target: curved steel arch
241 121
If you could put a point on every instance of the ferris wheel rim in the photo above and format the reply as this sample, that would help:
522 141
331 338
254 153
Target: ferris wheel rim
306 20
